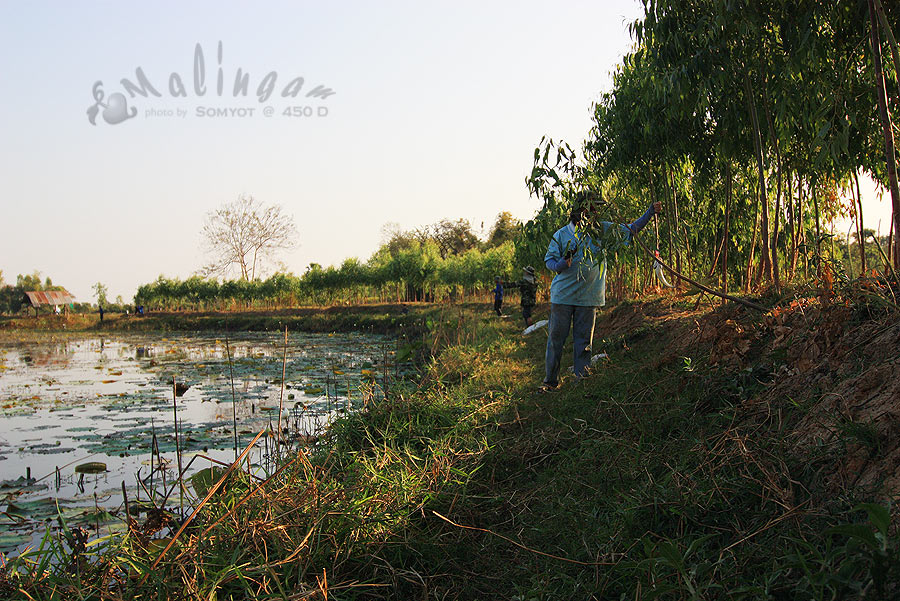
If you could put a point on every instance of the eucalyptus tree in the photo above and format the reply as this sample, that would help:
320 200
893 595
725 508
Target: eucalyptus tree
640 141
779 83
708 54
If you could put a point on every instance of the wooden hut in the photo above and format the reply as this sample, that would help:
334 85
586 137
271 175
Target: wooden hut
50 298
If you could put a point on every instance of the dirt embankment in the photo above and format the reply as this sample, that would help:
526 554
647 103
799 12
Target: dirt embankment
835 367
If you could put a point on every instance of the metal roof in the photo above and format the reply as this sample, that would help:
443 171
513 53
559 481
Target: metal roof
50 297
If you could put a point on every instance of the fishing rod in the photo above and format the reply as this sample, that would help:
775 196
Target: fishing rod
704 288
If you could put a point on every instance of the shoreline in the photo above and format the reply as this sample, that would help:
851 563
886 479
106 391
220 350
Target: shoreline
378 318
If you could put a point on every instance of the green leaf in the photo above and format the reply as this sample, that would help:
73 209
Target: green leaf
878 515
696 544
670 553
859 532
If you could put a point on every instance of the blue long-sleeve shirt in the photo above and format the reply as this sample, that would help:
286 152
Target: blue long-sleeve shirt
584 283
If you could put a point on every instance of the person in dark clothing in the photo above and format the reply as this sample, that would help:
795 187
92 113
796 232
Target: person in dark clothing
101 312
528 290
498 295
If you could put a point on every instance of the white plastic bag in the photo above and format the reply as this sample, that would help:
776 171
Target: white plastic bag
535 327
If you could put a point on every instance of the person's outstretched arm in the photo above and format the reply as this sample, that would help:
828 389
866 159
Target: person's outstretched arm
554 259
638 224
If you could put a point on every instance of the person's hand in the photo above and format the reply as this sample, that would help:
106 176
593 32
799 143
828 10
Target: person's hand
657 208
569 262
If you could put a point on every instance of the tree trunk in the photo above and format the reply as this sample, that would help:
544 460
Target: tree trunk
849 253
815 198
892 41
801 220
684 232
765 262
860 227
792 222
777 215
654 198
749 274
729 192
890 239
635 279
673 222
833 251
886 126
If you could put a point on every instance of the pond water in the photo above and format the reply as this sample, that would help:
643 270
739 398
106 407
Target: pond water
67 402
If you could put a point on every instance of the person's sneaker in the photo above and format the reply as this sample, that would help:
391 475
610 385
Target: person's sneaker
545 387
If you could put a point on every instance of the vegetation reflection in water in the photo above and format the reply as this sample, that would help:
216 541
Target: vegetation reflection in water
109 402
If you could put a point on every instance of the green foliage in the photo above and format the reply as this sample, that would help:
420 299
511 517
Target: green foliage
746 121
537 232
417 270
12 298
100 292
505 229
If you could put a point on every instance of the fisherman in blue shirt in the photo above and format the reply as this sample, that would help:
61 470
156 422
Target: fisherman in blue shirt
579 286
498 296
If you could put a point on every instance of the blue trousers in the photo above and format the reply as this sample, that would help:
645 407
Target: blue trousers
581 320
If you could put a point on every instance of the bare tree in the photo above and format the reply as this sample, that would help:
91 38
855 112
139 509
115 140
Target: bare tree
453 237
246 233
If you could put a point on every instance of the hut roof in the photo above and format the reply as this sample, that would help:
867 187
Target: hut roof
50 297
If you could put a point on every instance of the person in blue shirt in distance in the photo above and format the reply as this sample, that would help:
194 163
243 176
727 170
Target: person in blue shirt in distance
498 296
579 286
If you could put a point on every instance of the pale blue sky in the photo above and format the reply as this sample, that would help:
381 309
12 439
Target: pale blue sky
437 111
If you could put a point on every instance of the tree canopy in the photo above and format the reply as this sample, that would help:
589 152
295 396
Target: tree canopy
750 121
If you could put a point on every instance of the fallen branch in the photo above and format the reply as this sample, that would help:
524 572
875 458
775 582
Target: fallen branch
706 289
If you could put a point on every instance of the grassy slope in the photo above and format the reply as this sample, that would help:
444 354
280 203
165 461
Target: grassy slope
657 477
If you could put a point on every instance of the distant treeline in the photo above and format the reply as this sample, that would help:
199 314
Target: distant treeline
13 299
414 272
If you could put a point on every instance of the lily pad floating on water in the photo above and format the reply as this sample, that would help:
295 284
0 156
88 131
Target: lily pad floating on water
204 479
91 516
11 540
46 448
45 508
20 485
90 467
